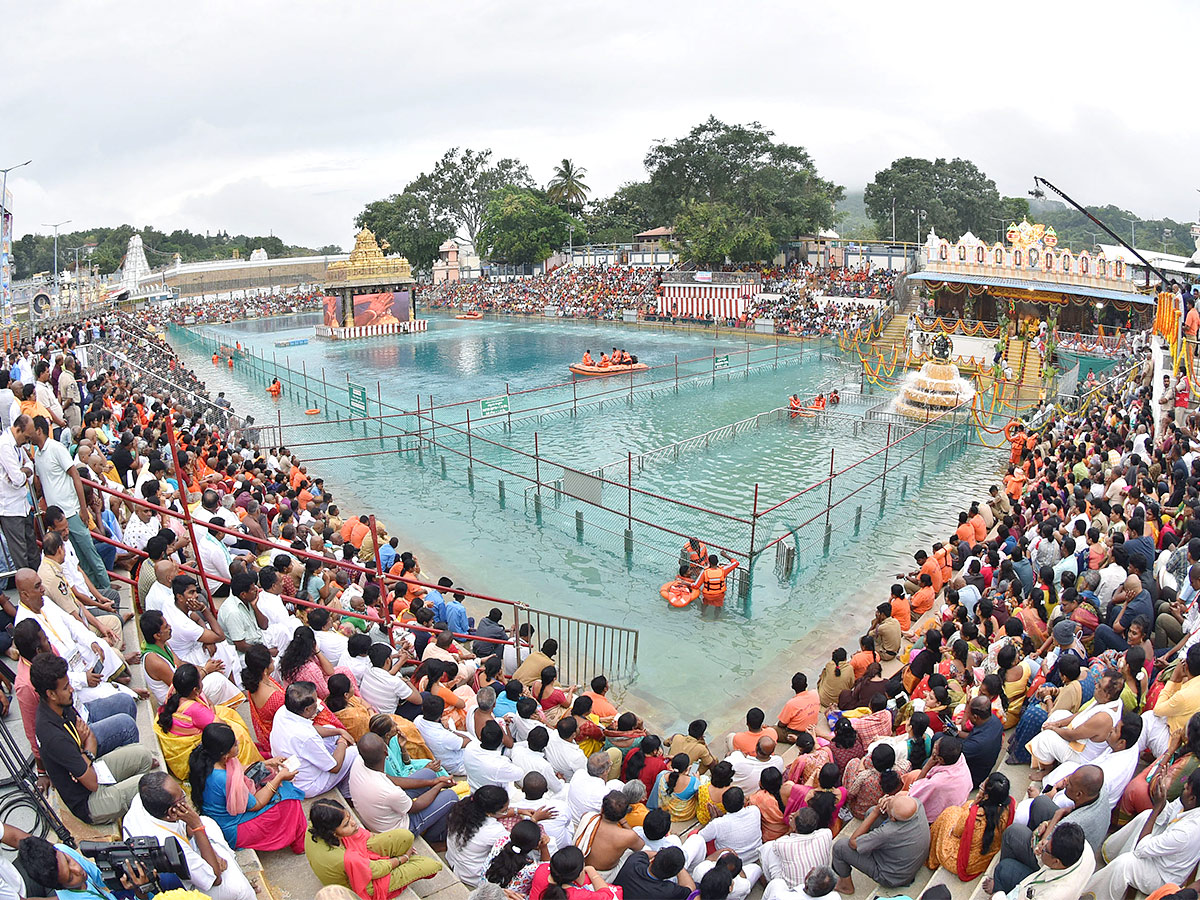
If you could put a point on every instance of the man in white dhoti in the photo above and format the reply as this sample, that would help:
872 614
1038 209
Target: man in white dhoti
1157 847
161 810
325 760
1083 737
196 635
71 640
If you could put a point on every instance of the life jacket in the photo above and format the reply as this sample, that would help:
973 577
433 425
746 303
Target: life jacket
694 557
604 361
794 403
819 403
712 581
587 359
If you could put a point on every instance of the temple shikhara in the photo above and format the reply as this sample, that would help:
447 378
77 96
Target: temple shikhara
370 294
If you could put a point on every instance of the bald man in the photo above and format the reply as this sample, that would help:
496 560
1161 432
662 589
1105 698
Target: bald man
1085 806
1083 737
159 596
1130 601
892 843
747 769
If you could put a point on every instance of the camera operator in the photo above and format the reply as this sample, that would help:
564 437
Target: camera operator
162 810
72 876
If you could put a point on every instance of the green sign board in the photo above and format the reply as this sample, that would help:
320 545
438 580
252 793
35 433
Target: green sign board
358 398
494 406
720 362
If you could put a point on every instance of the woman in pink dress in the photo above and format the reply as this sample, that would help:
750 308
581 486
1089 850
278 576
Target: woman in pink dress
302 660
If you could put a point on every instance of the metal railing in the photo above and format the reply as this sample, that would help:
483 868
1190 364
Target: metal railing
678 276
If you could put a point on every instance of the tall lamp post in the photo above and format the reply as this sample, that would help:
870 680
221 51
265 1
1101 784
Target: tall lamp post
55 226
571 244
6 312
919 212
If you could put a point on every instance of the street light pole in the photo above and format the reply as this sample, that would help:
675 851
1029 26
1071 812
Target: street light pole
5 213
55 226
894 218
571 244
1132 230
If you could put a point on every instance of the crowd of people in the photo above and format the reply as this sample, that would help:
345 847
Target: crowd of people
234 309
577 292
1053 638
803 306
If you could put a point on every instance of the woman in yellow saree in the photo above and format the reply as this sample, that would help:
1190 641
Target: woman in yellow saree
183 717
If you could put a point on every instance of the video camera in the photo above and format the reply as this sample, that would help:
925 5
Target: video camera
111 856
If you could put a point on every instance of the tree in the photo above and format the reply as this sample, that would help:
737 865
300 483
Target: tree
407 223
567 188
461 185
953 197
618 218
766 183
709 233
521 226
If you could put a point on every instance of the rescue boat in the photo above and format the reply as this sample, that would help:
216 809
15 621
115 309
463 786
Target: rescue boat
599 371
470 315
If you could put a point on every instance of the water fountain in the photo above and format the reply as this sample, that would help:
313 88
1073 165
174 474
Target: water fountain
937 388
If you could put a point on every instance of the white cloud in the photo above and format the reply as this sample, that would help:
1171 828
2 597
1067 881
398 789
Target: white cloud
264 116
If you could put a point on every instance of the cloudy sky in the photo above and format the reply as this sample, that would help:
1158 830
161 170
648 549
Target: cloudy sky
261 116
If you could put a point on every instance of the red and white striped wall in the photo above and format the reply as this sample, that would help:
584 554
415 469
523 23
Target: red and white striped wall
698 301
342 334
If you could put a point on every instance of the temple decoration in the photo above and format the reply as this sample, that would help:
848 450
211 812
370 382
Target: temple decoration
1032 253
370 294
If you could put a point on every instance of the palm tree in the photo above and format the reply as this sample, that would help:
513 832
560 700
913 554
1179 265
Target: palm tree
567 187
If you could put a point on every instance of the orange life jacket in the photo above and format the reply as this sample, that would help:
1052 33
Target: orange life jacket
696 558
587 359
712 581
604 361
794 403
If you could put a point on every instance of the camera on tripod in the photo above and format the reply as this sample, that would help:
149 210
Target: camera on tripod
111 856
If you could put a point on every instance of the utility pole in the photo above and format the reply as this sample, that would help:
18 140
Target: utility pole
894 219
6 215
55 226
1132 230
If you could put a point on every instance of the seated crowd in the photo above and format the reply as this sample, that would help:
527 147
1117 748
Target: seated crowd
314 691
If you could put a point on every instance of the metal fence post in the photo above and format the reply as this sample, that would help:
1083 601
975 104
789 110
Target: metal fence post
537 465
753 526
432 422
829 490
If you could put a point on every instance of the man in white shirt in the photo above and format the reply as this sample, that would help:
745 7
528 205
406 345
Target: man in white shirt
530 756
446 745
562 752
161 810
70 640
159 596
45 395
1157 847
382 685
196 635
588 787
747 769
88 594
330 641
326 754
515 653
791 857
1112 577
356 660
739 830
526 719
16 474
62 487
383 804
142 525
485 762
281 623
533 794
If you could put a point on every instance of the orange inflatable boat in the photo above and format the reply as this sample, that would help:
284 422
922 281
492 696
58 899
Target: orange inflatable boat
598 371
679 594
470 315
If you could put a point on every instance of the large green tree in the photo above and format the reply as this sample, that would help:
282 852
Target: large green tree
709 233
522 226
567 187
409 226
950 196
618 218
461 185
765 183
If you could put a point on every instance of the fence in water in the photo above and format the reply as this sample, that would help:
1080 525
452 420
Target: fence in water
873 455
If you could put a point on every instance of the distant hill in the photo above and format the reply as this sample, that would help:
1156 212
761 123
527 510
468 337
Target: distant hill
1076 230
852 219
105 248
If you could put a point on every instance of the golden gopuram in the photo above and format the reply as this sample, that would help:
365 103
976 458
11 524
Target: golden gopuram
370 294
